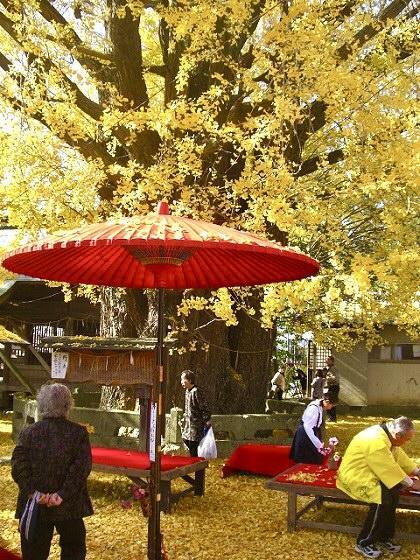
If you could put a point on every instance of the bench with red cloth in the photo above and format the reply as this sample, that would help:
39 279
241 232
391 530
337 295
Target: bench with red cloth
257 458
136 466
320 482
6 555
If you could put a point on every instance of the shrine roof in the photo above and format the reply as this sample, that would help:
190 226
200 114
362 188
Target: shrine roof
100 343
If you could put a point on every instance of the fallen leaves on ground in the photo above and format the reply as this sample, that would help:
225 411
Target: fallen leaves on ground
237 519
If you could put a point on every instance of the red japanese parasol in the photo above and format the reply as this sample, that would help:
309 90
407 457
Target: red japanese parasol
160 251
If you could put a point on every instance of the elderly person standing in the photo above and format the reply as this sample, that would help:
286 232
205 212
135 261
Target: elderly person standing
373 470
196 413
53 457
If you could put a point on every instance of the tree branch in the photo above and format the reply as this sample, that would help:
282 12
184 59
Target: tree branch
5 62
94 110
300 132
317 110
51 14
88 148
90 58
158 70
312 164
128 56
252 26
363 35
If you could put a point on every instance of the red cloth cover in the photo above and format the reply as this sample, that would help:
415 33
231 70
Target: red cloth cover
320 475
258 458
137 459
6 555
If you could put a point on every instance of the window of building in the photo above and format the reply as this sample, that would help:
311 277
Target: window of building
395 353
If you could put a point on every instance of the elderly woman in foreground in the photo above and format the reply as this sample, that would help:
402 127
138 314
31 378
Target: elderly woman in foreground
53 458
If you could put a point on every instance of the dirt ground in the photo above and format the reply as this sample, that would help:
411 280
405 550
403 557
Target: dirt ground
237 519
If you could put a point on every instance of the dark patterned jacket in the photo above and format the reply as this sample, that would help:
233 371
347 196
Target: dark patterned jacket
332 378
54 455
196 414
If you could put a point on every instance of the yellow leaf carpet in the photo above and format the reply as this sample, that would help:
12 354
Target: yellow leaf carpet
237 519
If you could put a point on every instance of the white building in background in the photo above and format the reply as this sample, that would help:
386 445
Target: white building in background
387 374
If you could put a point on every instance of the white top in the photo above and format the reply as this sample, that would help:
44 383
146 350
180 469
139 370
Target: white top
312 418
278 381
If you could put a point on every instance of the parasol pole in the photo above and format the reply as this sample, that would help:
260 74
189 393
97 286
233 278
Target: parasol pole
156 426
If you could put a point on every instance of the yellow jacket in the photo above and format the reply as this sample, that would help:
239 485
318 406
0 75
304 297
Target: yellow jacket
368 460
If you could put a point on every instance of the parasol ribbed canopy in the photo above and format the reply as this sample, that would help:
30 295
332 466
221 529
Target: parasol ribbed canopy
160 250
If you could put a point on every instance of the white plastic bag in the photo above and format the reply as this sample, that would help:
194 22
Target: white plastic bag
207 446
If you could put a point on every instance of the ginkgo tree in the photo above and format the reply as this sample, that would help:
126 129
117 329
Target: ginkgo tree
293 119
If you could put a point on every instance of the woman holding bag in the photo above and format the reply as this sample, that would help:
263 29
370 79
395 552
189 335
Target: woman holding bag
196 413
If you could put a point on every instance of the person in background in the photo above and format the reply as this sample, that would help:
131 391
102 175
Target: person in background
278 385
307 445
332 385
373 470
300 376
53 457
196 413
318 385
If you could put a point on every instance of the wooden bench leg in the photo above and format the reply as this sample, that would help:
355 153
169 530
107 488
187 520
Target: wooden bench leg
165 496
291 511
199 482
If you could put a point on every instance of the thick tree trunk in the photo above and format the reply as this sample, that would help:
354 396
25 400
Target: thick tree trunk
235 370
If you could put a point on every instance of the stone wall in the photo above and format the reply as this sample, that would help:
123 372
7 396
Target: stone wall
119 428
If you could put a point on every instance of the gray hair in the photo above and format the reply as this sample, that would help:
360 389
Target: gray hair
402 425
189 375
54 401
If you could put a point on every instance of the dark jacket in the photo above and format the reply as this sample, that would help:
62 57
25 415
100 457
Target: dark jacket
196 414
54 455
332 378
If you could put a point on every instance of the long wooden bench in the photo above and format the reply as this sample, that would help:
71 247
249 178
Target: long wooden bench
319 482
136 466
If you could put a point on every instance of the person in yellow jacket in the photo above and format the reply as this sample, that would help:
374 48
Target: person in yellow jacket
373 470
